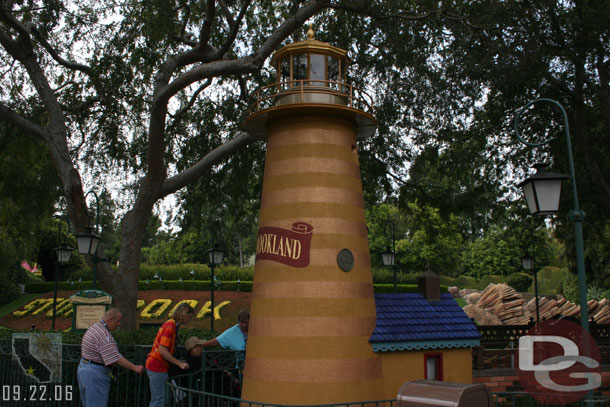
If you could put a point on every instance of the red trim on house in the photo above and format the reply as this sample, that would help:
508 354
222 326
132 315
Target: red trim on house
439 364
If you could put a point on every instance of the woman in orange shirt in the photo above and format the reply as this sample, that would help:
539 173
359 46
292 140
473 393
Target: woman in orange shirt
162 353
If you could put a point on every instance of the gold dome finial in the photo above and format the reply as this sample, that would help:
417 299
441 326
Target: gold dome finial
310 33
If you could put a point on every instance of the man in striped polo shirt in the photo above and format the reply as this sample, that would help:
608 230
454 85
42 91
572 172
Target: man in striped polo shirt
99 352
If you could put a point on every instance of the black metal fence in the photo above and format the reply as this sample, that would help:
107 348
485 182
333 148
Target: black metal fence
22 388
215 383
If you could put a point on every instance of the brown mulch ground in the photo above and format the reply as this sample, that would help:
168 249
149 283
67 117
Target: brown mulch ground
228 313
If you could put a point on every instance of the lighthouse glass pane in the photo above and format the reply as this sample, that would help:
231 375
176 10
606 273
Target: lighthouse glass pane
285 71
299 63
316 69
333 71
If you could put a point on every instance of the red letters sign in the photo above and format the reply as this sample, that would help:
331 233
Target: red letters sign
289 247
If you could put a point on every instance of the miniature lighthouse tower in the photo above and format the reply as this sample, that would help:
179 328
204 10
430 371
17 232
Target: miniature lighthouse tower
313 309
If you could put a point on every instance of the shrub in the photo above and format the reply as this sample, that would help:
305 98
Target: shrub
10 291
243 286
550 280
570 286
596 293
466 282
448 281
489 279
520 281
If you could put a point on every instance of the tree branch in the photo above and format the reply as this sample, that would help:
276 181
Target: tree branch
243 65
27 126
206 28
63 62
193 99
191 174
234 25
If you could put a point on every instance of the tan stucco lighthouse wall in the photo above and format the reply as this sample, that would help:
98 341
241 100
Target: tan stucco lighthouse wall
310 320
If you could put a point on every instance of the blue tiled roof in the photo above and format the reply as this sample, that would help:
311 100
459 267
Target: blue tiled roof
409 321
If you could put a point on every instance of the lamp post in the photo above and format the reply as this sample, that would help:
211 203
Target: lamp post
388 257
216 254
88 242
543 185
528 262
63 253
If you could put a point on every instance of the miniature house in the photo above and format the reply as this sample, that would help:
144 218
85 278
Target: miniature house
424 335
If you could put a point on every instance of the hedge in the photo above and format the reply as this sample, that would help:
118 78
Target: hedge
194 285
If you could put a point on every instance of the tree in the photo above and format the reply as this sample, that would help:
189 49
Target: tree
135 77
117 89
29 189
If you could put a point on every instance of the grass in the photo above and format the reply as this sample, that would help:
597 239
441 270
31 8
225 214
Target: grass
461 302
12 306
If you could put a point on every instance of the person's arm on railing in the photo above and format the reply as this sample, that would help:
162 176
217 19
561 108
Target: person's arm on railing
211 343
164 351
123 362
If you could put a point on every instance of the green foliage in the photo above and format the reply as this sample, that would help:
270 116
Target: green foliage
10 291
448 281
489 279
466 282
29 188
497 253
520 281
550 280
420 233
596 293
241 286
570 286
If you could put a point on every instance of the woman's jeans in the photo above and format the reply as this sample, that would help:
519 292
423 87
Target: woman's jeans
157 388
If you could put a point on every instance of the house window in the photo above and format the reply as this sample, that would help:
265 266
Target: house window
433 366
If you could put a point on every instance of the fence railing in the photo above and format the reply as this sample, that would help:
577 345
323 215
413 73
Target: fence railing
185 391
523 399
499 343
20 387
297 91
216 384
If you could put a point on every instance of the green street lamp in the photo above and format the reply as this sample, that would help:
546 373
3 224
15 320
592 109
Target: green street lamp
388 257
63 253
543 190
528 263
541 200
216 254
88 242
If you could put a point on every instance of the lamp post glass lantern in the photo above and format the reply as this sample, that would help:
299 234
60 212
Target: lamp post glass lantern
63 253
87 242
216 254
387 257
543 190
537 198
528 264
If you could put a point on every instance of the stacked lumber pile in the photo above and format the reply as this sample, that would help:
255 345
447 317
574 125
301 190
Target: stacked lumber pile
511 308
507 304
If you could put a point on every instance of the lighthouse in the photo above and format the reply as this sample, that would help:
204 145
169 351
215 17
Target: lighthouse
313 308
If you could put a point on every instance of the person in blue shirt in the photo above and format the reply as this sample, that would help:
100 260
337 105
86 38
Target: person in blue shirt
234 338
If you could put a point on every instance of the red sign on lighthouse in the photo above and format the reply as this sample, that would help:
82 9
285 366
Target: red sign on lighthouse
290 247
